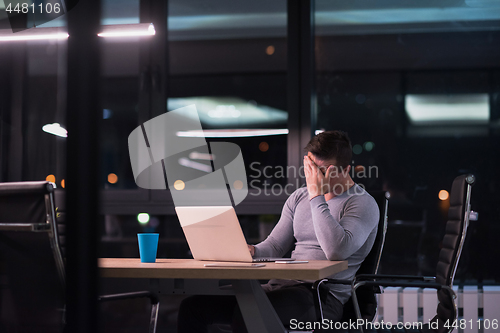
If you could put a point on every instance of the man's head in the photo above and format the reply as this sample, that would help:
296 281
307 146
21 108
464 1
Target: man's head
332 146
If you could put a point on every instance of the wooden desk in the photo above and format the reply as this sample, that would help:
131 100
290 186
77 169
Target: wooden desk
193 269
256 309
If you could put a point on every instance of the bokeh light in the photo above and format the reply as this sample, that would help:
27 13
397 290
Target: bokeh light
238 184
63 183
270 50
51 178
112 178
179 185
443 195
359 169
263 146
143 218
357 149
368 146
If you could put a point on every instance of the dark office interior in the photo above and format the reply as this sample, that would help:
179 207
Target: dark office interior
305 66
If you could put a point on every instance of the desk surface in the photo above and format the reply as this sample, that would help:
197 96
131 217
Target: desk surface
193 269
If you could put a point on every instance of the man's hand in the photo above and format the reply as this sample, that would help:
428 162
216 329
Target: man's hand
251 248
317 182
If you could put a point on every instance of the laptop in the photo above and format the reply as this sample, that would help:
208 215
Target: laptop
214 233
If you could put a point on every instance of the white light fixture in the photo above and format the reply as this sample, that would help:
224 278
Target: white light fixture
6 35
231 133
467 109
201 156
231 112
55 129
117 30
195 165
128 30
224 111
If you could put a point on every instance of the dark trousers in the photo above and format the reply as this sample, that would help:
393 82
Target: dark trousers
290 302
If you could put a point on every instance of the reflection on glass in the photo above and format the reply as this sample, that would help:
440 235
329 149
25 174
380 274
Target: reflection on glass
415 84
119 118
230 61
120 12
389 16
448 109
192 20
231 112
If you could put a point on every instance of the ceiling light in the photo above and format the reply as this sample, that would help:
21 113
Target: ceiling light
6 35
201 156
55 129
231 133
116 30
454 109
224 111
128 30
231 112
195 165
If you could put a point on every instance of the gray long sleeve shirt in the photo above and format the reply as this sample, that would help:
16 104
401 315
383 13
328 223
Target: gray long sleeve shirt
342 228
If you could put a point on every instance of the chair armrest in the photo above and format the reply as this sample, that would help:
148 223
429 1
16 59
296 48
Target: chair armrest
363 277
336 281
399 283
153 297
137 294
316 293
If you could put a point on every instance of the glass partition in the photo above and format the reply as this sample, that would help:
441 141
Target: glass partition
416 85
120 90
229 59
33 110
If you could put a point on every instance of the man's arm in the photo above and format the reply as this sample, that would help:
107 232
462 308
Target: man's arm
281 239
339 239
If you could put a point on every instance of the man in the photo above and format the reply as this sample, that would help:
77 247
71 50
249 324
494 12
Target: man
332 218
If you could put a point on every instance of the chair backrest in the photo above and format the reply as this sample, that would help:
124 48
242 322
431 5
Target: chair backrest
372 261
366 294
60 203
30 260
449 255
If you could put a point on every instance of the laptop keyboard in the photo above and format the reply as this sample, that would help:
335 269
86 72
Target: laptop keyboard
271 259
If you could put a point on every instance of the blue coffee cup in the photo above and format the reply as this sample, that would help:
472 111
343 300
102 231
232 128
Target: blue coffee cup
148 245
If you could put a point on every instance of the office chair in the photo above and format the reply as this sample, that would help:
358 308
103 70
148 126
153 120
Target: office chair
449 255
365 295
60 202
32 247
369 266
29 252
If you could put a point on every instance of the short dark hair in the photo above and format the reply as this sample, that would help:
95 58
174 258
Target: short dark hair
331 145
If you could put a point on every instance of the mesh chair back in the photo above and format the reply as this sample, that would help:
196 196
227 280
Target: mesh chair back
456 228
366 294
31 265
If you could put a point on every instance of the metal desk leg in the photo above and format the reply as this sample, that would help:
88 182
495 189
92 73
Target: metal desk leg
257 311
153 319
